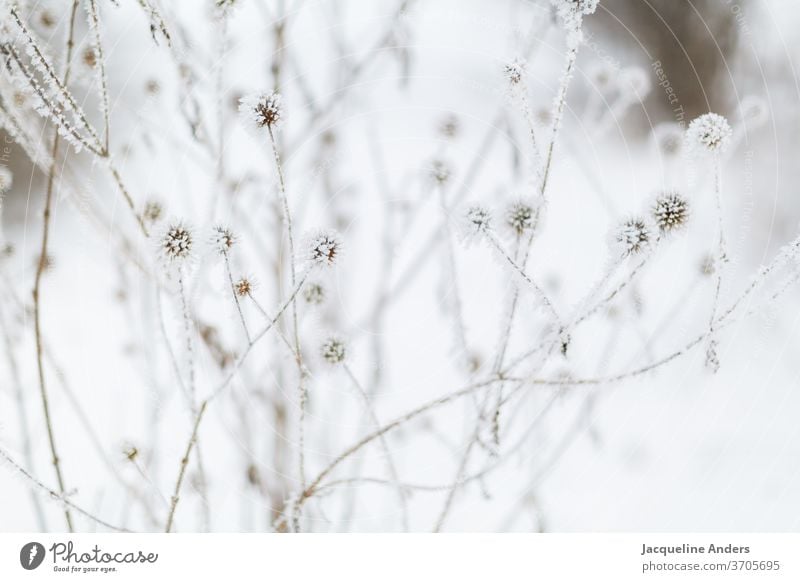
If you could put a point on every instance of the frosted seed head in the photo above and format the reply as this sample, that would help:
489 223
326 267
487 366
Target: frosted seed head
244 286
668 138
478 220
314 293
440 171
176 243
333 350
522 217
602 75
754 111
632 237
670 212
710 132
222 239
262 110
6 179
708 265
324 248
153 211
515 70
449 126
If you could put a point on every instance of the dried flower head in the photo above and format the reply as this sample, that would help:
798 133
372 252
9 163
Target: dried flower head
449 126
89 57
708 265
222 239
46 19
6 179
152 87
710 132
515 70
440 171
668 138
478 220
754 110
243 287
670 211
314 293
262 110
176 243
333 350
324 247
522 217
632 237
602 74
153 211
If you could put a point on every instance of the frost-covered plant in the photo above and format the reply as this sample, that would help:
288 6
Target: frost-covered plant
710 132
670 211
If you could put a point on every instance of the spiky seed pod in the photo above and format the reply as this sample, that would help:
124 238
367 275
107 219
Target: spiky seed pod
449 126
670 212
176 243
243 287
710 132
262 110
333 350
153 211
324 248
440 172
633 237
222 239
522 217
668 138
515 70
314 293
478 220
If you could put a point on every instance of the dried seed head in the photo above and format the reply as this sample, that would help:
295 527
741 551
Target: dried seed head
755 111
333 350
89 57
603 74
262 110
632 237
152 87
153 211
440 171
668 138
6 179
515 70
46 19
522 217
710 132
478 220
243 287
222 239
324 248
670 212
176 243
708 265
449 126
314 293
